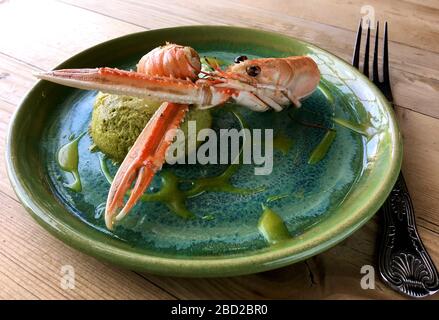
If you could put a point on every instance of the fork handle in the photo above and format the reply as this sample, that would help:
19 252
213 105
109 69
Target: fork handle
403 261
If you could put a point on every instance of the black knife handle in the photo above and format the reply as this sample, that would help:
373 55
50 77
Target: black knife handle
403 261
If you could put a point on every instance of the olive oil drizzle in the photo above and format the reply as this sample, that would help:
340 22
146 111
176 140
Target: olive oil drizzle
272 226
358 128
68 160
282 143
322 148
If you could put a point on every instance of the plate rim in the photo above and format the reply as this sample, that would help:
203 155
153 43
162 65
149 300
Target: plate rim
203 267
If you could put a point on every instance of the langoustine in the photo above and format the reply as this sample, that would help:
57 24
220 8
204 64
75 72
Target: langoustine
170 73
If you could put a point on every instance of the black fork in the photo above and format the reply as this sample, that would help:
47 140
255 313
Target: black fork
403 262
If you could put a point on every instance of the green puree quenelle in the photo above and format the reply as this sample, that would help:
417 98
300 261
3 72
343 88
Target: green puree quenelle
118 120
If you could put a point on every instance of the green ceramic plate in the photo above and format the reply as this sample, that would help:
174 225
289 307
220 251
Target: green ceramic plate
321 204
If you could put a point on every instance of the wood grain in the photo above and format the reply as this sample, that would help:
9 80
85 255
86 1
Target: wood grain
49 32
414 72
421 165
156 14
45 32
15 79
334 274
6 110
418 29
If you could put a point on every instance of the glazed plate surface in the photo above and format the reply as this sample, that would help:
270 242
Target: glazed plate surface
321 204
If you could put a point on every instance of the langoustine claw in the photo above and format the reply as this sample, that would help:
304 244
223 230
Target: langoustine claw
144 159
147 155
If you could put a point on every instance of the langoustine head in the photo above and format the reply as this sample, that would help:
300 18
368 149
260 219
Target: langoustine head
292 78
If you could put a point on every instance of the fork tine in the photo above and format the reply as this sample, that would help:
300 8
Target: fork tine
366 53
356 55
375 76
386 79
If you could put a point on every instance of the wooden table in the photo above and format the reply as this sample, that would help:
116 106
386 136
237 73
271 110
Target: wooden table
38 35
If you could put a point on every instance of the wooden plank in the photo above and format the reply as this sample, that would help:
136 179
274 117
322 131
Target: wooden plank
434 4
15 79
421 164
414 74
424 89
411 91
6 110
413 24
45 32
156 14
31 262
334 274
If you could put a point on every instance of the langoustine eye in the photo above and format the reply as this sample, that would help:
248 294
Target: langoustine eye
253 71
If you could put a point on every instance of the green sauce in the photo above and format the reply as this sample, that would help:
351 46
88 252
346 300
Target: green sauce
68 160
169 193
208 217
277 197
175 199
272 226
220 183
322 148
358 128
282 143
